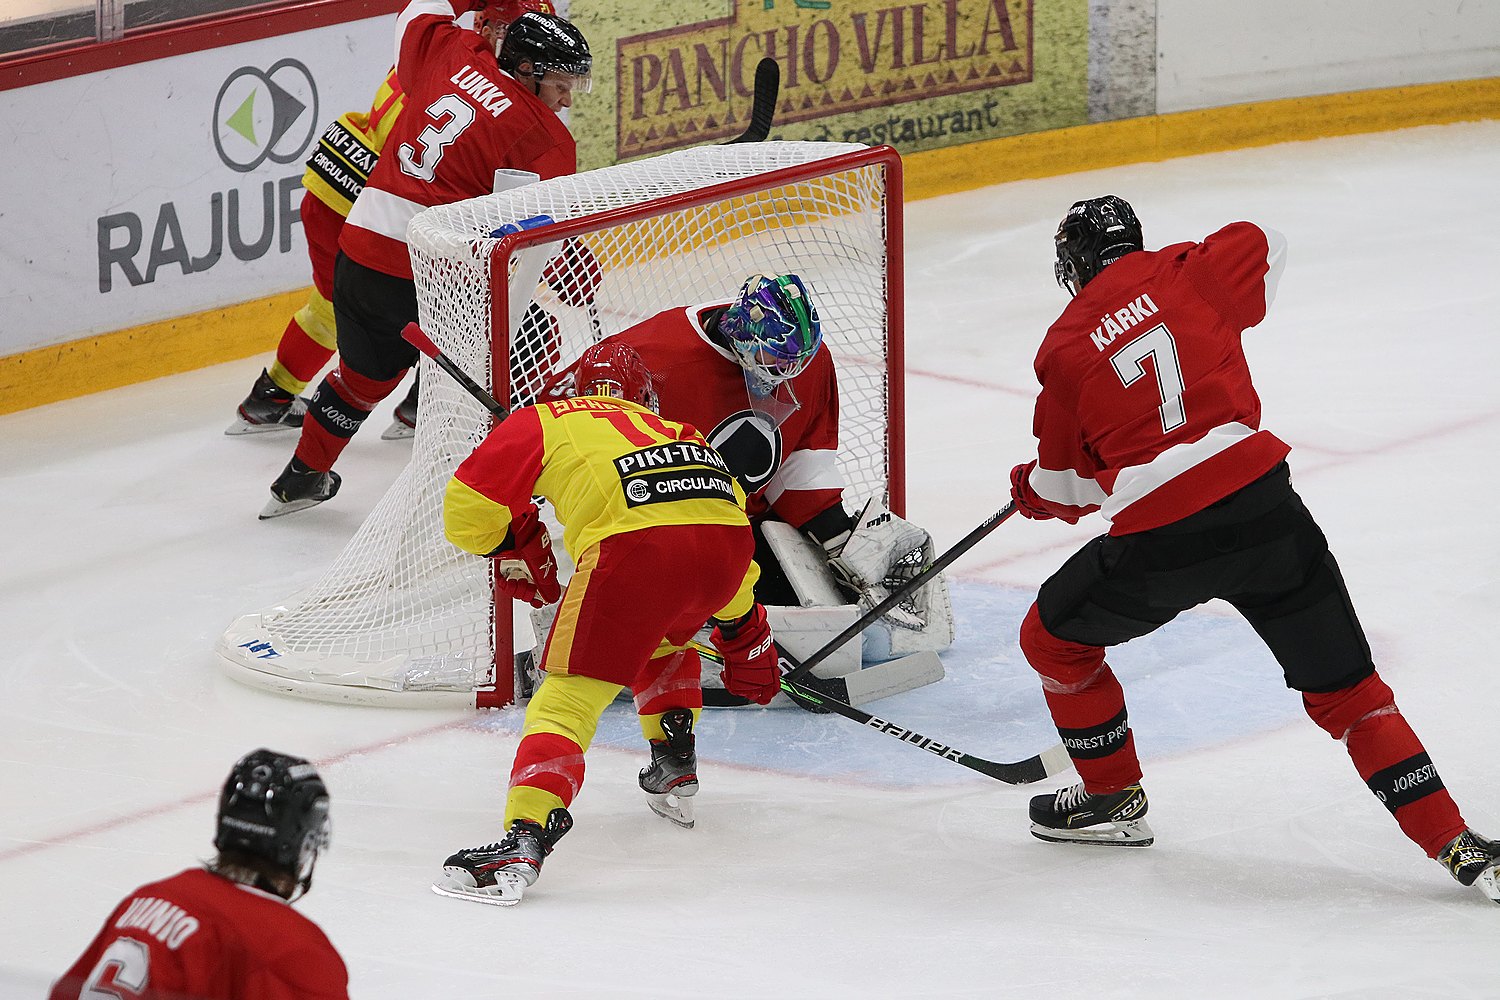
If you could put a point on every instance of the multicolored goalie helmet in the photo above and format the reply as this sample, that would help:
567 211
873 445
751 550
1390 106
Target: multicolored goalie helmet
773 328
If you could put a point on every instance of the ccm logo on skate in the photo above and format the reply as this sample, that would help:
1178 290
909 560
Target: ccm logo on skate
262 650
916 739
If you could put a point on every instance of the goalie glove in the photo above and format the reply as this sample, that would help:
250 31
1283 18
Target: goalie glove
752 667
526 568
882 548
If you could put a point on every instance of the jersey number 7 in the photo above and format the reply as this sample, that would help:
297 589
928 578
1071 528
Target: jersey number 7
1158 345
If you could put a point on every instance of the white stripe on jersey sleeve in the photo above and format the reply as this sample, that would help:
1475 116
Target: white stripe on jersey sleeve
1136 481
1275 262
414 10
383 213
805 470
1066 487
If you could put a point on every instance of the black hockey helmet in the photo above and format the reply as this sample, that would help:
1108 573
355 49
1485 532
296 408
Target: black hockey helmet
1094 234
274 807
552 44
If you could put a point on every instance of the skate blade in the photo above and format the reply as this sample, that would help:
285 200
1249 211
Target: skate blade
677 808
1488 883
241 426
507 890
276 508
1132 834
398 431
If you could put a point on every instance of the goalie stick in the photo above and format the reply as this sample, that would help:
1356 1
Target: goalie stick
763 106
896 596
414 336
1053 760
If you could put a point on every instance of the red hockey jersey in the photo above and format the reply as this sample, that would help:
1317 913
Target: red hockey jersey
464 118
201 936
791 469
1147 411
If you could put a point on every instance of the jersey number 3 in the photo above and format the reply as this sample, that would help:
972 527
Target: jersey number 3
456 115
1130 364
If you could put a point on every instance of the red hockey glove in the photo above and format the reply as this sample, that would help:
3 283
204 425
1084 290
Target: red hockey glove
527 570
1028 502
751 667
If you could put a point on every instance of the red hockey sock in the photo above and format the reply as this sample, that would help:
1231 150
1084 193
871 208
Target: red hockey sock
299 356
1087 705
1391 759
337 409
668 682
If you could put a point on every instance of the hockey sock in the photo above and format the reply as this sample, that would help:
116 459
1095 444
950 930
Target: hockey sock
338 407
560 724
668 682
306 345
1087 706
1390 758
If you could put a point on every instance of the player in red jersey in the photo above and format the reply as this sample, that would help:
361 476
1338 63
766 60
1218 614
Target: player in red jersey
336 173
1147 413
656 525
472 118
226 931
751 375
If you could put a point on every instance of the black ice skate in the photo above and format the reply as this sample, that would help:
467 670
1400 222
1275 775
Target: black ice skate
671 780
404 419
299 487
269 407
499 874
1475 861
1072 815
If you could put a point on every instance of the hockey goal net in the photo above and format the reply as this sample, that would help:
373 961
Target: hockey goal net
403 617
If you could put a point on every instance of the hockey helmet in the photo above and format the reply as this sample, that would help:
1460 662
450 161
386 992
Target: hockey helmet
275 807
614 369
551 44
1094 234
496 15
773 328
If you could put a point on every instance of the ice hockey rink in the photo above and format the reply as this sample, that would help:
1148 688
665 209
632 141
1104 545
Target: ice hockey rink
829 860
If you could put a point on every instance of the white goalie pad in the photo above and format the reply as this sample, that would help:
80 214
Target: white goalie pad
924 623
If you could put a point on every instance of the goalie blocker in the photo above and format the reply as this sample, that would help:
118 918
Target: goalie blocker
897 653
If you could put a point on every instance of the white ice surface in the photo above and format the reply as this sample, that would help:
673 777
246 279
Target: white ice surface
828 860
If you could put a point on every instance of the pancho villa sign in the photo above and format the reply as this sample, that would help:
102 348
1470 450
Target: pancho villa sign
693 83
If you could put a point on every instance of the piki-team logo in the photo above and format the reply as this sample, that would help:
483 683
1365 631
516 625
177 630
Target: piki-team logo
692 84
262 115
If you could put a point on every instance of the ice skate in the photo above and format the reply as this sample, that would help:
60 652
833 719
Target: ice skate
671 779
1473 860
299 487
1073 816
269 407
404 419
499 874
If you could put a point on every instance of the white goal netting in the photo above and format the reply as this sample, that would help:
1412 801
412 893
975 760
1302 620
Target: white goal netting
402 616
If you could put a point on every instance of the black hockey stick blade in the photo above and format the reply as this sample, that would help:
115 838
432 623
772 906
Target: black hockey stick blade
1053 760
414 336
898 595
763 108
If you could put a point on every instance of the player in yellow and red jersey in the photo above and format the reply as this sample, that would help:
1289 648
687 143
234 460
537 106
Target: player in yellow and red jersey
336 173
656 526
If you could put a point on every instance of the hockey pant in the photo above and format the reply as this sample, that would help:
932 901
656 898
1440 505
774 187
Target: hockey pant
634 602
309 339
1262 552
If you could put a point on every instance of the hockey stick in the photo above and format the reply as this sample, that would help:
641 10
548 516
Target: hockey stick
1053 760
896 596
414 336
767 88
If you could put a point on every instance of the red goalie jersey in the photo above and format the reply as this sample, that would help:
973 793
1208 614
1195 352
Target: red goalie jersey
202 936
790 468
1147 411
464 118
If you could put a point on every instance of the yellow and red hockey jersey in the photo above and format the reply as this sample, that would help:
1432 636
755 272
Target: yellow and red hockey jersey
341 163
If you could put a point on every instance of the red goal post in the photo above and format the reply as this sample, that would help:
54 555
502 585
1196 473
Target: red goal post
404 618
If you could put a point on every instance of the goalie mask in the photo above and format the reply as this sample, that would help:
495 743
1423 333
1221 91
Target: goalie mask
275 807
1094 234
555 48
773 328
617 371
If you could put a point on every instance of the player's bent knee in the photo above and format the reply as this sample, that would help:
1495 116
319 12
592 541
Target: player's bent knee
1058 661
1337 712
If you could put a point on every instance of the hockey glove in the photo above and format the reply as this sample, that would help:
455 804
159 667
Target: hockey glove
882 547
527 569
1028 502
752 669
